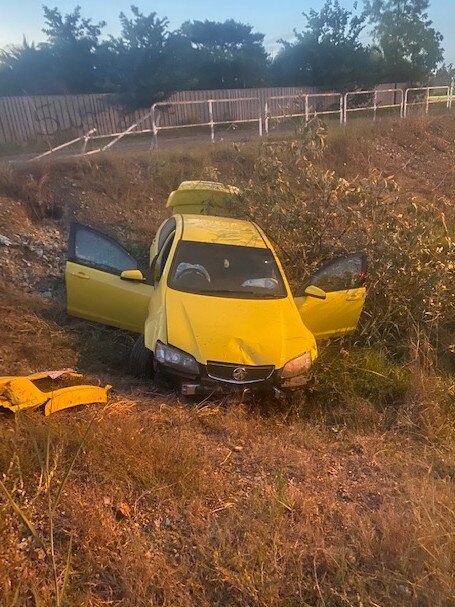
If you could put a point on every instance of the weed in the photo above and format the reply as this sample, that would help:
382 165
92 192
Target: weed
27 189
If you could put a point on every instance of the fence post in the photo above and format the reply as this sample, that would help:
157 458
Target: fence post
427 101
86 140
451 94
154 128
405 104
306 109
266 114
260 117
212 126
346 108
401 103
375 104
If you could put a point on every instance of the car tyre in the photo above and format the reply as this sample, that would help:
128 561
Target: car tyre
141 360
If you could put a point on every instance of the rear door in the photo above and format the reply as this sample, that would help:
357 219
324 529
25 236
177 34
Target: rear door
94 289
343 280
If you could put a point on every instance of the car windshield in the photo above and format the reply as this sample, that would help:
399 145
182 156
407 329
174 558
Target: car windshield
226 270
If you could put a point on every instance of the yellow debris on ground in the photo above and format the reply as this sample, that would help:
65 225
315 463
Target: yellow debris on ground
20 393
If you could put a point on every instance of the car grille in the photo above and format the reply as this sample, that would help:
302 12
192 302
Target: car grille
238 374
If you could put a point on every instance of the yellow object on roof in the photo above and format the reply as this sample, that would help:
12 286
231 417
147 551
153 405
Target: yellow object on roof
201 197
20 393
222 230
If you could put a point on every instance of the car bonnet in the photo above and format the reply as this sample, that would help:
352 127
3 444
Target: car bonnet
239 331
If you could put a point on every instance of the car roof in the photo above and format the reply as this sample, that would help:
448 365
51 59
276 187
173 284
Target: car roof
221 230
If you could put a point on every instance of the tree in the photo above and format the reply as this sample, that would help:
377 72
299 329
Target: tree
70 28
444 76
411 47
65 63
147 62
227 54
24 70
72 42
328 52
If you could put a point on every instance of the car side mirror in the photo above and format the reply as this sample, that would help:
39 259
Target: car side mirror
316 292
132 275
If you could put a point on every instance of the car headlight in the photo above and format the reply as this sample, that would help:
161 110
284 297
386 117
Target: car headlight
175 358
297 366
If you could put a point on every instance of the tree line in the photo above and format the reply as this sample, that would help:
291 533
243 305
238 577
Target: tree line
381 41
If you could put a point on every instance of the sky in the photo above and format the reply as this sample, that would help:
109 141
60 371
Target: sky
276 19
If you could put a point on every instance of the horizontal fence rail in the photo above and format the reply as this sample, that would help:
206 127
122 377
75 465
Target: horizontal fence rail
84 139
214 112
282 107
373 100
422 96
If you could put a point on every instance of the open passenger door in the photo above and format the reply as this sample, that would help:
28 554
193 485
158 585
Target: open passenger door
342 281
103 281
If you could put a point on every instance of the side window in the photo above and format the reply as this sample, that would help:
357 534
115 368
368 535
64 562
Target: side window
166 230
341 274
163 235
163 257
91 248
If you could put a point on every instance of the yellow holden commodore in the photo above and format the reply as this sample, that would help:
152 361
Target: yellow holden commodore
213 308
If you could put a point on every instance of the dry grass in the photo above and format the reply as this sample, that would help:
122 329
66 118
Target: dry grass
174 506
341 497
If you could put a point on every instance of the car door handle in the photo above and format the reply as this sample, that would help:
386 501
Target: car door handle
82 275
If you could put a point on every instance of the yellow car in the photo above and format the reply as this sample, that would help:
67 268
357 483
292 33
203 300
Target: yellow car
214 307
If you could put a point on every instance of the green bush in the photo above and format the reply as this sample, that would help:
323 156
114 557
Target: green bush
341 375
311 215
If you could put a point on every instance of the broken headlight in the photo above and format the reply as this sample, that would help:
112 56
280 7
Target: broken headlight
176 359
297 366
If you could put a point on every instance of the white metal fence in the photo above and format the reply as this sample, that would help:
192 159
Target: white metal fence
375 101
270 112
214 112
282 107
427 96
364 101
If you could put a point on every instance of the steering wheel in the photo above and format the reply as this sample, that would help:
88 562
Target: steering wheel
193 271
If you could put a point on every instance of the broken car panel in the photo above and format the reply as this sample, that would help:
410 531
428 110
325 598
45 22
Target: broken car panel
21 393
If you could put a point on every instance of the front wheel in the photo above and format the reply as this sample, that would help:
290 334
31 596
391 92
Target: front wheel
141 360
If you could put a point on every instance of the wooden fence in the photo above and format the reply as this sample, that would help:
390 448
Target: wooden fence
58 117
61 117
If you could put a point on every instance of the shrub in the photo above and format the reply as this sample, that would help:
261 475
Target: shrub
311 214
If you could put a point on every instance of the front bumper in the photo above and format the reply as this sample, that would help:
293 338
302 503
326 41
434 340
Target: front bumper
205 383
